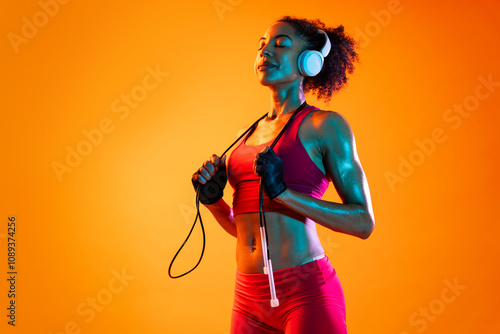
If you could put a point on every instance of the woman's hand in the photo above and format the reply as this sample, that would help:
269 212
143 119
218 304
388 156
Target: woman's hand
212 179
269 167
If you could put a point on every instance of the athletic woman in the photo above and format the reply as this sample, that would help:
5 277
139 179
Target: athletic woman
317 148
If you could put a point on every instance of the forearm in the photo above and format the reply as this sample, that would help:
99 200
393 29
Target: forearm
223 213
352 219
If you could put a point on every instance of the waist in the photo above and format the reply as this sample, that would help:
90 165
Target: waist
319 257
256 286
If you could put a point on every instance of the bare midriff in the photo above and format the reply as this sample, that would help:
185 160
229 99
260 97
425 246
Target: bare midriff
292 240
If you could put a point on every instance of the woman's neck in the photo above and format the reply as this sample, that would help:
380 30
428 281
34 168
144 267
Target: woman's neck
285 100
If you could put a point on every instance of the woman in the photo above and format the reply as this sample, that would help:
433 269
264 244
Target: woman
317 147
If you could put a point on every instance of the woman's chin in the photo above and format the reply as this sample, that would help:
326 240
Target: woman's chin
265 81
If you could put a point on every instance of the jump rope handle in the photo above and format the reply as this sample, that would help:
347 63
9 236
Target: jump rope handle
268 266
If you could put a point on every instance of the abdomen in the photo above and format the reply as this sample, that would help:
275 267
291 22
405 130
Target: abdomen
292 239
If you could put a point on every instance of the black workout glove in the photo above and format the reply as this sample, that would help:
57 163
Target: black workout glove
270 167
213 172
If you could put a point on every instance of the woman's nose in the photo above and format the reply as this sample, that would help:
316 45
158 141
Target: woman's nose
265 51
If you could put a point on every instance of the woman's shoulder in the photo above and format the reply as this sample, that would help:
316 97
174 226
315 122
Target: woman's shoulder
327 122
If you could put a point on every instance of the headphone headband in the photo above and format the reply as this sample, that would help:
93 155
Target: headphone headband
325 50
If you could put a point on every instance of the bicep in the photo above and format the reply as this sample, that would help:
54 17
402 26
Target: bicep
342 162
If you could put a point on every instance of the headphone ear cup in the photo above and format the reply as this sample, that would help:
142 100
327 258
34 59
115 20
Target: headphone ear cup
300 63
310 63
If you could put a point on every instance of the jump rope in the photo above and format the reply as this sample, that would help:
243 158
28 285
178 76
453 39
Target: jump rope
310 63
212 191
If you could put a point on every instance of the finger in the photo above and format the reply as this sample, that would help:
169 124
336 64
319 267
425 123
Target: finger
260 161
265 149
205 174
215 160
268 154
209 166
223 162
199 178
258 170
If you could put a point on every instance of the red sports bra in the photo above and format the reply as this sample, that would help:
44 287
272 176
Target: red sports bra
300 173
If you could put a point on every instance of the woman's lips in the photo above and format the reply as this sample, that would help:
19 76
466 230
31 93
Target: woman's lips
266 67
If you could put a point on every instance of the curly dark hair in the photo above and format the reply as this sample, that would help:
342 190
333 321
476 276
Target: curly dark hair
338 62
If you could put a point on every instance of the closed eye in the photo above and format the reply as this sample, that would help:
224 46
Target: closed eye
278 46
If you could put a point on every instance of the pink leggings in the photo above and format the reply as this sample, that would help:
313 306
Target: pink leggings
310 296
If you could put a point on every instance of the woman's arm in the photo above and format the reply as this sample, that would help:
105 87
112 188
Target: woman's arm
223 213
349 218
355 215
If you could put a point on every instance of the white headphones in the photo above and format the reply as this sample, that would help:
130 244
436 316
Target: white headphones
310 62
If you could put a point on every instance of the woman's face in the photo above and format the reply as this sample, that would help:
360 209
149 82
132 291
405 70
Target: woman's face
281 47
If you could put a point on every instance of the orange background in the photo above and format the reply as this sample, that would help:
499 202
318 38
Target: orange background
129 204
